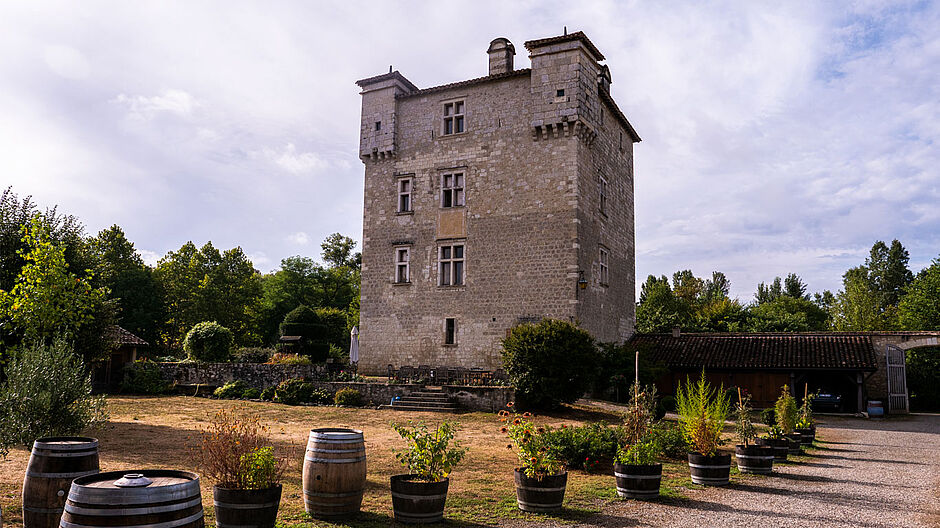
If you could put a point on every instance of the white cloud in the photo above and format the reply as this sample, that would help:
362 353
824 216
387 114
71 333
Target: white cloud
299 238
177 102
67 62
294 162
150 257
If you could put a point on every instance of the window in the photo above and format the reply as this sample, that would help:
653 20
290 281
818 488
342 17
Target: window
559 93
604 266
378 126
450 331
451 265
452 190
603 194
402 265
404 194
453 118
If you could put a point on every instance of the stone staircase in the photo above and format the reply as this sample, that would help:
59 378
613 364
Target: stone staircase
424 400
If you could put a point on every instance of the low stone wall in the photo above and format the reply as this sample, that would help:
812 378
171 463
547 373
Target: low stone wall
262 376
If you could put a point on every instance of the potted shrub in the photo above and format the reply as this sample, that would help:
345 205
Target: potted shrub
806 424
636 467
235 454
786 413
776 441
542 478
702 411
419 496
751 458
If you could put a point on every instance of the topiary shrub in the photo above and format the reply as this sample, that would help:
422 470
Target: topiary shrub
209 342
550 362
47 392
304 322
144 377
231 390
348 397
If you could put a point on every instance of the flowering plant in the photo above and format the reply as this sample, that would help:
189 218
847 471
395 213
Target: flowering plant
428 455
536 457
235 452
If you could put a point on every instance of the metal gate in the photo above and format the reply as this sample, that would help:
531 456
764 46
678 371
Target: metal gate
897 380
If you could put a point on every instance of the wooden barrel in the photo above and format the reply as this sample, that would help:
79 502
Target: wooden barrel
638 481
244 508
538 496
794 446
755 459
417 501
780 447
710 470
53 464
807 435
334 473
143 498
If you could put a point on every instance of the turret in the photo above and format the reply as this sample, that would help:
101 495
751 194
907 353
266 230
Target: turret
377 133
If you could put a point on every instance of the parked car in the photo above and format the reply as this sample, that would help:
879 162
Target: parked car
828 400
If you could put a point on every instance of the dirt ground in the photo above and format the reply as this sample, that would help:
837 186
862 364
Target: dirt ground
866 473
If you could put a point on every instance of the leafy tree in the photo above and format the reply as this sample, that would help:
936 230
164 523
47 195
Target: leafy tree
132 285
208 285
209 341
550 362
888 272
787 314
794 287
48 299
659 310
857 306
306 323
923 378
338 252
720 315
769 293
920 307
47 393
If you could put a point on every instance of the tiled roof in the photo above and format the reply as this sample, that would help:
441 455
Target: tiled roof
810 351
122 337
478 80
577 35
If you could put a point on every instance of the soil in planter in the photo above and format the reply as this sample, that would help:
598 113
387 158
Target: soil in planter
540 496
638 481
246 508
710 470
417 501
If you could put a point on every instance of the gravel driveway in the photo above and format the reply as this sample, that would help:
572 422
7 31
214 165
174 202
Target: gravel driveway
869 473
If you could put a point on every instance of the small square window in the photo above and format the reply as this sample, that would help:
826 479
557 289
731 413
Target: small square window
559 93
450 331
378 126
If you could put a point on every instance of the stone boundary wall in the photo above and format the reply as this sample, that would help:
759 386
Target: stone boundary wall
262 376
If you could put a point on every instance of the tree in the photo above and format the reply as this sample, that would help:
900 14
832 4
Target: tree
857 307
207 285
48 299
133 287
338 252
307 324
794 287
920 307
787 314
888 272
208 341
659 310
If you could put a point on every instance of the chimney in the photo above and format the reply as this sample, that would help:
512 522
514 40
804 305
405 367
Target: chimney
676 332
501 52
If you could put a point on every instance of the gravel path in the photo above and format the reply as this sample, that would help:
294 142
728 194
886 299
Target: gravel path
869 473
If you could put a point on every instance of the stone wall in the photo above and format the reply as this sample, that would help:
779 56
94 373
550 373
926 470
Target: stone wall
529 226
261 376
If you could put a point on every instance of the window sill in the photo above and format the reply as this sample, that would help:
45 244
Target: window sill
404 213
452 288
401 283
449 345
442 208
455 134
604 284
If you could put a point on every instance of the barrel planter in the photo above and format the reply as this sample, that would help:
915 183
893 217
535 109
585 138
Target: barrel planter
794 444
807 435
754 459
712 470
144 498
540 495
418 501
780 447
241 508
53 464
334 473
638 481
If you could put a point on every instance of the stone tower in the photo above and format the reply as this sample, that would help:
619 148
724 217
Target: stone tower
493 201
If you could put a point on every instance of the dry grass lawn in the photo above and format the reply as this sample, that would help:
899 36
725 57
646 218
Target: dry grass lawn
146 432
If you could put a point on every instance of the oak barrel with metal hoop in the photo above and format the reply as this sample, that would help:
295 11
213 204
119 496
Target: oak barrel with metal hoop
53 464
334 473
143 498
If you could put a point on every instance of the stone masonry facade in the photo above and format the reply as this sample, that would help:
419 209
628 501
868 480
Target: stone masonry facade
489 202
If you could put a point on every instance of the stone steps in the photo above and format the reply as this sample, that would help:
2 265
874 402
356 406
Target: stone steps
424 400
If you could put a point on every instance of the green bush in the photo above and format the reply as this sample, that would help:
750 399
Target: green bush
231 390
209 342
786 411
297 391
702 410
252 355
268 394
281 358
768 416
251 394
144 377
671 440
47 392
577 445
348 397
304 322
550 362
616 372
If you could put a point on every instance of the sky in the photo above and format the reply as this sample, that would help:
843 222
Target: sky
777 136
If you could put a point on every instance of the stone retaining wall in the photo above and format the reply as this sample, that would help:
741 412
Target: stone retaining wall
262 376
